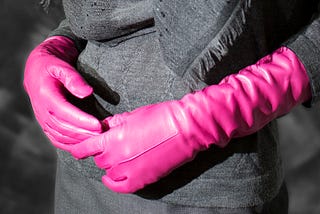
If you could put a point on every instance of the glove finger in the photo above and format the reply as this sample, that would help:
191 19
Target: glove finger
64 111
102 162
119 184
63 138
66 129
91 146
58 144
115 120
71 79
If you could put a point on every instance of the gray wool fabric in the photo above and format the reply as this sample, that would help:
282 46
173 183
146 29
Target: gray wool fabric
102 20
144 52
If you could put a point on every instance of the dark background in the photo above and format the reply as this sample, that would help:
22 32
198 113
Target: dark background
27 160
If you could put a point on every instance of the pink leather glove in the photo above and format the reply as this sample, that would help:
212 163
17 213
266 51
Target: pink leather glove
49 77
148 143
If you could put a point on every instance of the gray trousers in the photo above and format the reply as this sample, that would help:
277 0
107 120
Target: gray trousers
79 194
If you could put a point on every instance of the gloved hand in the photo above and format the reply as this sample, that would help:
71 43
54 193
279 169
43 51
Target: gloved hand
146 144
48 79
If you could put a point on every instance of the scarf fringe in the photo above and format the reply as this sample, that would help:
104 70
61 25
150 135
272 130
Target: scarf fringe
218 47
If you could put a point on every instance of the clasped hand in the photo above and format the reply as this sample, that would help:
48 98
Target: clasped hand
142 146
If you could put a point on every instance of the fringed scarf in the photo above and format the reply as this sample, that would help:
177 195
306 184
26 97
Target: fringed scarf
195 35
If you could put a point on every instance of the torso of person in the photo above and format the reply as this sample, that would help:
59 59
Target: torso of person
149 51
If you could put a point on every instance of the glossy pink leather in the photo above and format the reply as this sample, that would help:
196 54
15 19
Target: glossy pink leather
148 143
49 74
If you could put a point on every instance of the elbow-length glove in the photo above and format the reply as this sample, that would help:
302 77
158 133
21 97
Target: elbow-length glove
146 144
49 78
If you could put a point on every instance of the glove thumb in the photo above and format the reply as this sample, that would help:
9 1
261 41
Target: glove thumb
72 80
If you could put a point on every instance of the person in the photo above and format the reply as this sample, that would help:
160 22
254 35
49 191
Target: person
173 103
